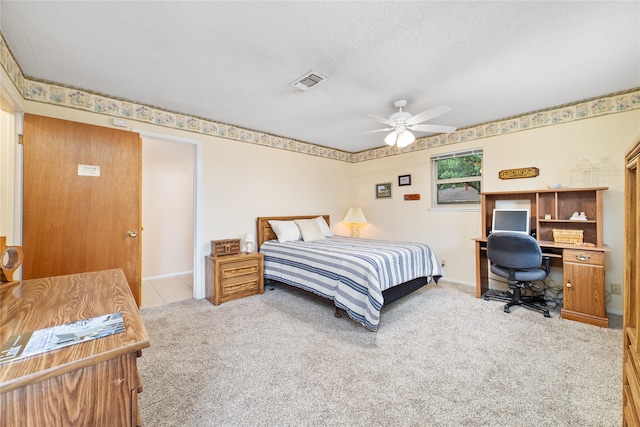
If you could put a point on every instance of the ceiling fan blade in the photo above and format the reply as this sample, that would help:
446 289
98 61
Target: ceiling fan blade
429 114
381 120
373 131
433 128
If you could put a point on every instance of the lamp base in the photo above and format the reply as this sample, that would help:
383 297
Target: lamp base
355 230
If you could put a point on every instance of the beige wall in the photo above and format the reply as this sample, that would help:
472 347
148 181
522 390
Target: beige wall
240 181
244 181
555 150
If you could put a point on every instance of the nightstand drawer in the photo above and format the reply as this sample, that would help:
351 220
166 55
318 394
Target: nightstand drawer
237 287
230 270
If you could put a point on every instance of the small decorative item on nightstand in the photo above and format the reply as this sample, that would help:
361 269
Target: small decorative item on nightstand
249 241
225 247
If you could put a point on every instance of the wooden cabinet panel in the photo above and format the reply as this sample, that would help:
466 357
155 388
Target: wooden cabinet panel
584 295
631 292
584 291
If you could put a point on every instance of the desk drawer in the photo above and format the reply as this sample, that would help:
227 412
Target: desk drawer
583 257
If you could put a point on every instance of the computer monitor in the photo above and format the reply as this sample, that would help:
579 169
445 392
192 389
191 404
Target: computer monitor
516 220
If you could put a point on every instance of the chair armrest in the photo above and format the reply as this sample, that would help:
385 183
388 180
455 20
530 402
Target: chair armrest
546 262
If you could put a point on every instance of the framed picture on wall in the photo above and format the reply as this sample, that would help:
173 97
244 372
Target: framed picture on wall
404 180
383 191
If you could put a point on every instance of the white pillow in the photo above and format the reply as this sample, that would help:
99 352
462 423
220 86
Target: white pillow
310 230
287 231
324 227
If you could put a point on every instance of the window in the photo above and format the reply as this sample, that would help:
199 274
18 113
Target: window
457 178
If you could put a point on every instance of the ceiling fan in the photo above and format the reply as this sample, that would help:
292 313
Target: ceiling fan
403 122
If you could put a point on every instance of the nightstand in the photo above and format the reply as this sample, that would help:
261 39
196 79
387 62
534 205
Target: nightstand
233 276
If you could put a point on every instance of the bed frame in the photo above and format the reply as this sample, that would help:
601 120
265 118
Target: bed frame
265 233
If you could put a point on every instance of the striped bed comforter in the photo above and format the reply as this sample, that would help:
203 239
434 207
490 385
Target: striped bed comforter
352 272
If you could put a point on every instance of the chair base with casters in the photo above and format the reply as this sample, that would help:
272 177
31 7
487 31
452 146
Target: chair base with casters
532 302
518 258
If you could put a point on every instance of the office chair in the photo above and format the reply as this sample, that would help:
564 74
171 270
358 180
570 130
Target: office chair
518 258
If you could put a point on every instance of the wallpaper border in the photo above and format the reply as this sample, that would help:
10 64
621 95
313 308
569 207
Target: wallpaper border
51 93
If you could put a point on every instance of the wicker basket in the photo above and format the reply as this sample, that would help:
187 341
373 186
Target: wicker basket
225 247
567 236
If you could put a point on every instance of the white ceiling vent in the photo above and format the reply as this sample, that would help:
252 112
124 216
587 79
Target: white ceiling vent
308 81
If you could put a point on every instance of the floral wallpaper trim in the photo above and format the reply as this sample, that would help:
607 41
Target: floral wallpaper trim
51 93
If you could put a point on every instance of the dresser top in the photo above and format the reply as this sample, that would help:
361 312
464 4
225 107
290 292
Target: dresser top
36 304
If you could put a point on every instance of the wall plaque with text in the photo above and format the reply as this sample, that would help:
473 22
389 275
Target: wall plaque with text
518 173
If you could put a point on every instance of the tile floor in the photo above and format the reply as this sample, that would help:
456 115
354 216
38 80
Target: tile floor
166 290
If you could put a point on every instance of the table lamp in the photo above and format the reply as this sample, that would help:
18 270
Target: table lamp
355 217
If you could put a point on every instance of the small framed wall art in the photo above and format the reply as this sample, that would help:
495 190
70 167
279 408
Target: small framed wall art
383 191
404 180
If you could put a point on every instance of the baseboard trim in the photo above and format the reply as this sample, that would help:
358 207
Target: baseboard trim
162 276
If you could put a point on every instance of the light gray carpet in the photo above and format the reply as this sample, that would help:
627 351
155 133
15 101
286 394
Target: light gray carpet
440 358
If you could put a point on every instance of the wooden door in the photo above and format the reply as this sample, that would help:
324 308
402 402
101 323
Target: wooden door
82 200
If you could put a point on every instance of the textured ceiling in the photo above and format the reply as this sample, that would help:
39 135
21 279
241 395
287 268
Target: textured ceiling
232 62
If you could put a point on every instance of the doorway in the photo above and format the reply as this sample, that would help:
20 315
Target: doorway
169 215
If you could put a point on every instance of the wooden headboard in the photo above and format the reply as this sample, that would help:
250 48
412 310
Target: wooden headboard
265 232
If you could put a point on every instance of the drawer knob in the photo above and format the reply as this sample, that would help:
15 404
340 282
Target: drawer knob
583 257
568 284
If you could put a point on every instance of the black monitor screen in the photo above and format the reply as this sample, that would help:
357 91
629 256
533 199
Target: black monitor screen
510 220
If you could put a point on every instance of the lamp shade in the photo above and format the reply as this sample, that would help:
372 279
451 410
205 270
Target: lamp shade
391 138
355 215
400 136
405 138
249 242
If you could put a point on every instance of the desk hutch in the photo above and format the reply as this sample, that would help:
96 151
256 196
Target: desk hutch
582 264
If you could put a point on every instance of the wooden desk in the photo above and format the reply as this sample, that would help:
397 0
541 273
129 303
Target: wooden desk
583 278
94 383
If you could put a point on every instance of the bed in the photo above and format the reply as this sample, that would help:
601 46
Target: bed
359 275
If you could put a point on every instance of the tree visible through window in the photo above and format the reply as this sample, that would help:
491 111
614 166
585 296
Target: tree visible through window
457 177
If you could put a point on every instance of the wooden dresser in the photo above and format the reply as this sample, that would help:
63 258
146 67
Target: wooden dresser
233 276
631 317
94 383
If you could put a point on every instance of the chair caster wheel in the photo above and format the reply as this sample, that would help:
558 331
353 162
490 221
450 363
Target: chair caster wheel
547 315
506 310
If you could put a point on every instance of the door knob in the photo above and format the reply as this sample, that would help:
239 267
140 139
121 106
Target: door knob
133 233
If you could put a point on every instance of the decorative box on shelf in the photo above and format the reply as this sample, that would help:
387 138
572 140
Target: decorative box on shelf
225 247
567 236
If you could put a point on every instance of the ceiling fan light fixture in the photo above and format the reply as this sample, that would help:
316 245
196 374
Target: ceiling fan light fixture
402 121
400 136
405 138
391 138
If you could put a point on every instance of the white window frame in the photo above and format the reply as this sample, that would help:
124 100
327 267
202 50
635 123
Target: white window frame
474 206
